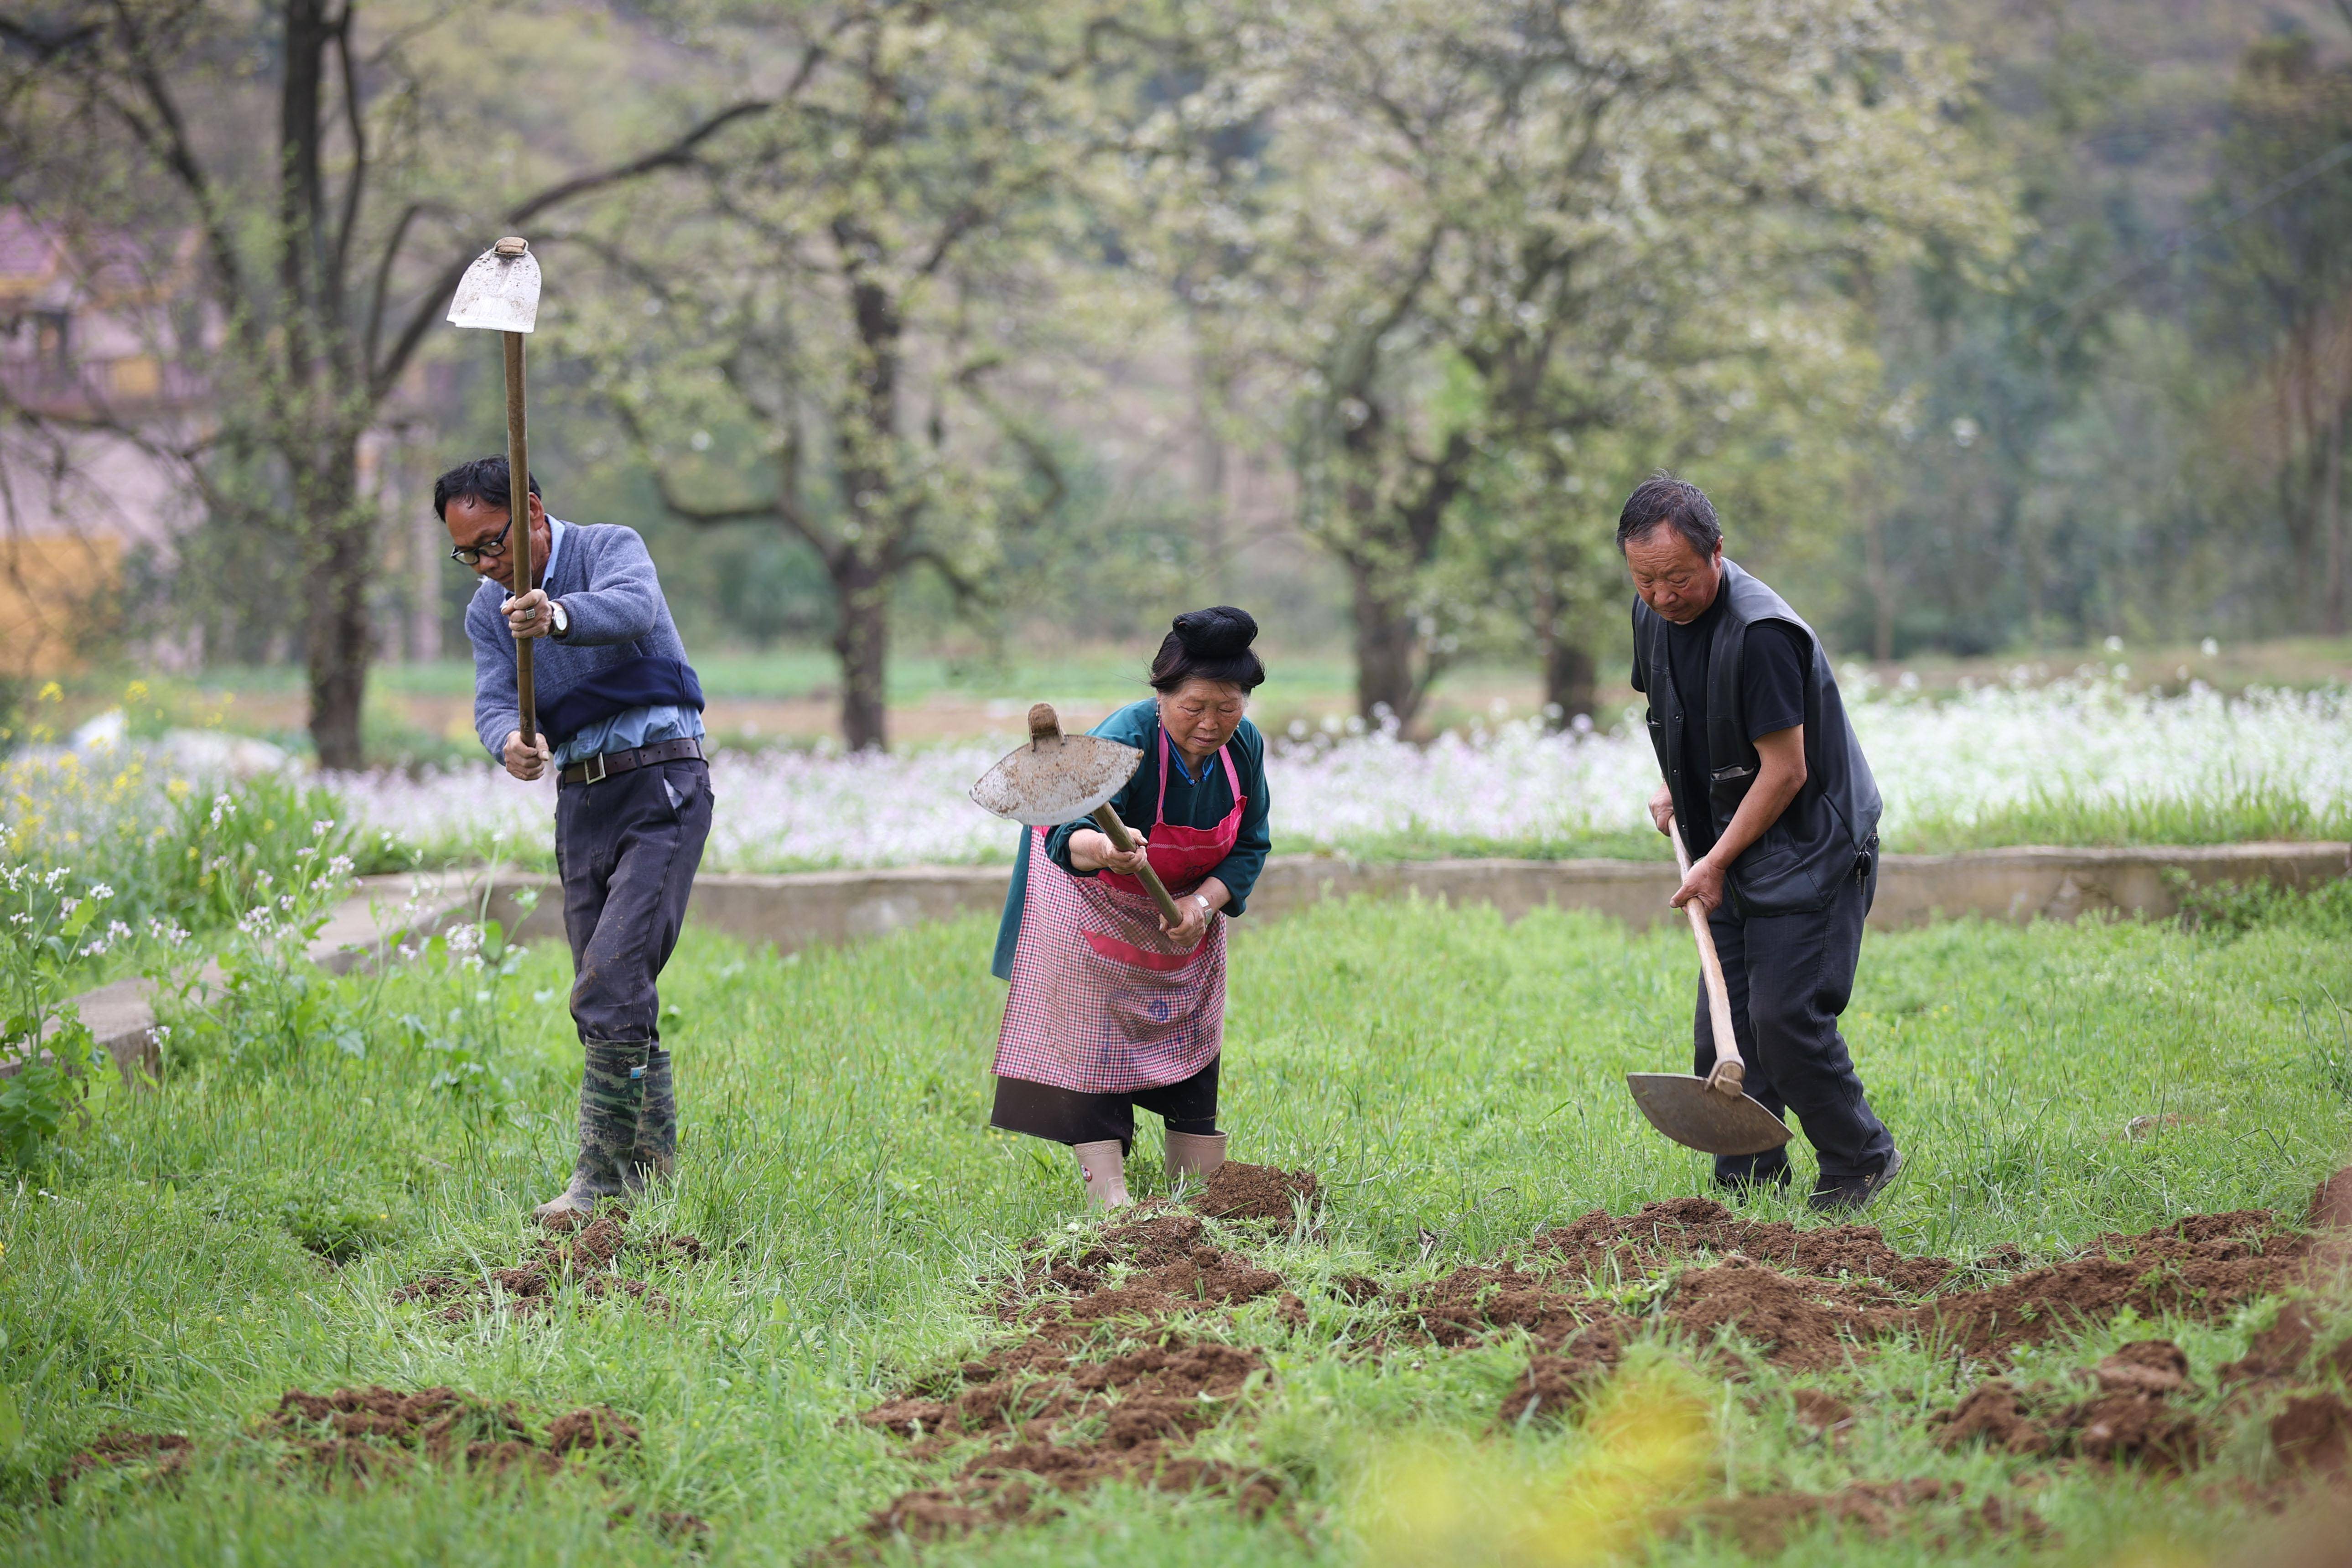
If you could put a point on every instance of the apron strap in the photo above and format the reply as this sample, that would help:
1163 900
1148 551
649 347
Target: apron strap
1224 755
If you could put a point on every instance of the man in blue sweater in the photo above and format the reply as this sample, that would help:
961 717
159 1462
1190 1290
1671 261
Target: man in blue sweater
624 713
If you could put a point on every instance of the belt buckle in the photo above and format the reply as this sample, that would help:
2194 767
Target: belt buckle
593 770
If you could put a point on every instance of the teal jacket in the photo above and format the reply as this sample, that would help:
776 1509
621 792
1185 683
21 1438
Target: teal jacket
1191 803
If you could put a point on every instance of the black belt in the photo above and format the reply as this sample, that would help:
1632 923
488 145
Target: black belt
611 762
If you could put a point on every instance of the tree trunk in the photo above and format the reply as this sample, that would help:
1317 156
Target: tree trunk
1385 686
862 641
1568 681
2331 524
338 640
1881 587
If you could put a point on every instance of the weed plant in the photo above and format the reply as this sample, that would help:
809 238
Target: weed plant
193 1252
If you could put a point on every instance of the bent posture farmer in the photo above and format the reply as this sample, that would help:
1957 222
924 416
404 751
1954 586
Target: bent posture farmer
1112 1007
1781 815
624 712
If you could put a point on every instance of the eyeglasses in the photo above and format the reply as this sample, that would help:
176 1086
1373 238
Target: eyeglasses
472 554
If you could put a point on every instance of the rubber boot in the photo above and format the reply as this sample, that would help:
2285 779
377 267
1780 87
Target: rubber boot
1104 1167
1195 1154
611 1094
655 1154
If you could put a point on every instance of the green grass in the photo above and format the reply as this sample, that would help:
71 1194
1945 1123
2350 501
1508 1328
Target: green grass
2245 814
1450 1078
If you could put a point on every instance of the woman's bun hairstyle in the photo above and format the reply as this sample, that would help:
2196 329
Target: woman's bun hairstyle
1209 645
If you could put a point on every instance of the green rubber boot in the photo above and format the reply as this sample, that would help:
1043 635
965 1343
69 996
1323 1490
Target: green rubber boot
655 1154
612 1097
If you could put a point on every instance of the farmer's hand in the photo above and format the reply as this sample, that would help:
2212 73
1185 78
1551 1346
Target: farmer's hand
1199 907
527 762
1662 809
1093 851
1703 884
527 616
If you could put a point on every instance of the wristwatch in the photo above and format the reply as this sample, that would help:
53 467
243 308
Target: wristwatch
1203 899
561 616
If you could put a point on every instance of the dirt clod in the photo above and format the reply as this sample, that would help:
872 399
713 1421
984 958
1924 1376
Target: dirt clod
1995 1415
1824 1415
1238 1191
2314 1433
2145 1366
162 1454
1800 1325
586 1256
1554 1385
2136 1428
364 1434
1683 1227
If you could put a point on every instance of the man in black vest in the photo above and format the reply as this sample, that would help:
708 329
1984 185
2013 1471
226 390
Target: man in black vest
1781 816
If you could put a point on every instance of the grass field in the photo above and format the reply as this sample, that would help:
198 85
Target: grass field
198 1251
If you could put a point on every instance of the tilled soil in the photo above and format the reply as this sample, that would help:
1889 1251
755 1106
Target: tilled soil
161 1454
1239 1191
1681 1228
366 1433
1878 1510
585 1258
1062 1409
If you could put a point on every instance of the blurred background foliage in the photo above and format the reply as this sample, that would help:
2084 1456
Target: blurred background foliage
962 338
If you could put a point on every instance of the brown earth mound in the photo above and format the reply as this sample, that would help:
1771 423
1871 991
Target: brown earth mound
2203 1267
1069 1423
586 1257
1765 1525
1800 1324
1824 1415
1473 1301
1238 1191
361 1434
159 1454
1063 1417
1683 1226
2131 1421
2314 1433
1995 1415
1556 1384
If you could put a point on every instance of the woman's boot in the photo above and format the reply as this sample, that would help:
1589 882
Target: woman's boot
655 1154
1192 1155
611 1094
1104 1167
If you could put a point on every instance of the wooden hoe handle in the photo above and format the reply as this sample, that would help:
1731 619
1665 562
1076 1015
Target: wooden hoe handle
1115 831
519 519
1730 1074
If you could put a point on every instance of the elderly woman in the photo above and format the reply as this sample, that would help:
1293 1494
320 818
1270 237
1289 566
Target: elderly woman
1111 1006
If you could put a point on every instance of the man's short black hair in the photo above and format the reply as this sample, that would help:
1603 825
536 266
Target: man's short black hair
484 479
1679 504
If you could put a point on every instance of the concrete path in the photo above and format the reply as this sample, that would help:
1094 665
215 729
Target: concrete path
792 912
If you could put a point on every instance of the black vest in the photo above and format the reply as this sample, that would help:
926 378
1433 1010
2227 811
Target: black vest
1821 838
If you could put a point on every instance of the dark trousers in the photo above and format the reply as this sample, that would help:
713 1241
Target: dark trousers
1790 976
1073 1116
626 848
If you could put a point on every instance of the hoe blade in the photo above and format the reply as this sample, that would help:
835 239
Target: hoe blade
499 291
1056 779
1686 1110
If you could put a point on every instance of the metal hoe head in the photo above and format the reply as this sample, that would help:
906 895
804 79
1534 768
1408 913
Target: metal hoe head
500 290
1686 1110
1056 778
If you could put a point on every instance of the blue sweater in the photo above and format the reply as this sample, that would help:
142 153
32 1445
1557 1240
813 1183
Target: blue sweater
613 598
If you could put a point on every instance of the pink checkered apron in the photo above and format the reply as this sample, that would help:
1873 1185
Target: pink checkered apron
1102 1002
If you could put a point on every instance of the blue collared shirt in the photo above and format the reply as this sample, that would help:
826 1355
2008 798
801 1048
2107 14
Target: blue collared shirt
630 727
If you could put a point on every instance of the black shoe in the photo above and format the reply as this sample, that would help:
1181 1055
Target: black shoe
1852 1194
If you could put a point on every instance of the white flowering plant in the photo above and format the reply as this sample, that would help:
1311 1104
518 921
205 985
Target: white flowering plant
257 1002
52 928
